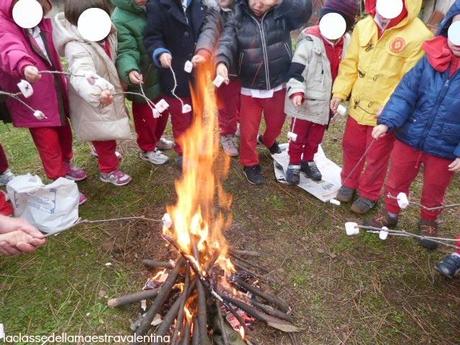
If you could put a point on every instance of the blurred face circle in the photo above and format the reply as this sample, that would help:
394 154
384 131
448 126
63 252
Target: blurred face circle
389 9
94 24
332 26
27 13
259 7
453 36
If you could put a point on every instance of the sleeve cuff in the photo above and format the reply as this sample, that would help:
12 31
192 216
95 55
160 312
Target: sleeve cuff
156 55
457 151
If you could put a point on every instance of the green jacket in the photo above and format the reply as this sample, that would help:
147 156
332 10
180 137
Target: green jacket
130 21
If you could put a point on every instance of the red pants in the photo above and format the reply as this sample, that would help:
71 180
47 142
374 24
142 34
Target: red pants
149 130
54 145
369 175
6 209
250 116
180 122
309 137
107 159
229 106
404 167
3 161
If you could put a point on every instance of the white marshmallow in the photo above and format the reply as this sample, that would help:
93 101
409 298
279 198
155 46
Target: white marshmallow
39 115
188 67
144 305
292 136
26 88
383 234
342 110
351 228
161 105
186 108
167 221
218 81
335 202
403 200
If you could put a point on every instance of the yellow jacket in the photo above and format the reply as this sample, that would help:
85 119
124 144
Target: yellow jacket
373 66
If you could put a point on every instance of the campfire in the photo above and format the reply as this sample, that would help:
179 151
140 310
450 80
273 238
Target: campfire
208 293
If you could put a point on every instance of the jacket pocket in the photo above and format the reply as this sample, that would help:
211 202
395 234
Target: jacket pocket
451 133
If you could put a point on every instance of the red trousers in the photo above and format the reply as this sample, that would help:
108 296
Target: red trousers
149 130
6 209
229 106
3 161
404 167
54 145
107 159
251 110
180 122
366 175
309 137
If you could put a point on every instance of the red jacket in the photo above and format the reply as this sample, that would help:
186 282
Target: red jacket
17 52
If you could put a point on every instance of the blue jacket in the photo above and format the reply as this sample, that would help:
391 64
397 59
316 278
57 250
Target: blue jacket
424 110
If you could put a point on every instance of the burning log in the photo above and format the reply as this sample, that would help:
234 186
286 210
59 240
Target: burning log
155 264
132 298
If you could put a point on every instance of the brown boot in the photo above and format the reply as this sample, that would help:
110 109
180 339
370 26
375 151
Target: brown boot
428 228
381 220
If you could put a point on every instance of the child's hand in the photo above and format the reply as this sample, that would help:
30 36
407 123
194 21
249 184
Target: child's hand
379 131
297 100
198 59
136 78
106 98
17 242
32 74
335 102
165 60
222 70
455 166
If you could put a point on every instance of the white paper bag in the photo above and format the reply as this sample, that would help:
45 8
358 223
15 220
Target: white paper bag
50 208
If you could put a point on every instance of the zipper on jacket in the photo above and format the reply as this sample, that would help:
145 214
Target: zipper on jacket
264 49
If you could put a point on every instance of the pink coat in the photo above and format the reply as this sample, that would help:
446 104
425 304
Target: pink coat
17 52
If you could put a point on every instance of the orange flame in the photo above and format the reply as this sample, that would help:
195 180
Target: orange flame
197 222
188 314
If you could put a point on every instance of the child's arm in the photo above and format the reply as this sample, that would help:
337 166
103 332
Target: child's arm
296 12
297 84
84 78
153 35
210 33
402 103
227 47
128 56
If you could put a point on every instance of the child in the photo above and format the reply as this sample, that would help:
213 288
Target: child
257 41
424 113
23 54
381 51
228 94
173 28
314 67
5 173
135 68
97 108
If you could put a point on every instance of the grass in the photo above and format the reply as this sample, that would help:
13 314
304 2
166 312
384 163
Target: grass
344 290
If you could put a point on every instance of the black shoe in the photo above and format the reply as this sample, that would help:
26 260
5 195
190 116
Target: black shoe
254 175
449 266
382 220
430 229
293 174
274 149
311 170
345 194
362 205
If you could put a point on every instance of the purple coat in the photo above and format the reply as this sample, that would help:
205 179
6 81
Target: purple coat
17 52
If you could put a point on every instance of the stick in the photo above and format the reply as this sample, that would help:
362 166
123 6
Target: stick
159 300
180 316
243 252
155 264
202 314
132 298
196 333
266 296
186 338
222 325
246 262
247 308
271 311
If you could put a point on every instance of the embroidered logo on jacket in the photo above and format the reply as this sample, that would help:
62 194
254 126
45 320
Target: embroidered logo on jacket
398 45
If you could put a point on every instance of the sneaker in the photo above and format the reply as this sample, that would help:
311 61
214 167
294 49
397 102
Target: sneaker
345 194
155 157
449 266
254 175
428 228
229 145
311 170
117 178
6 177
381 220
293 174
83 199
75 173
165 144
274 149
362 205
